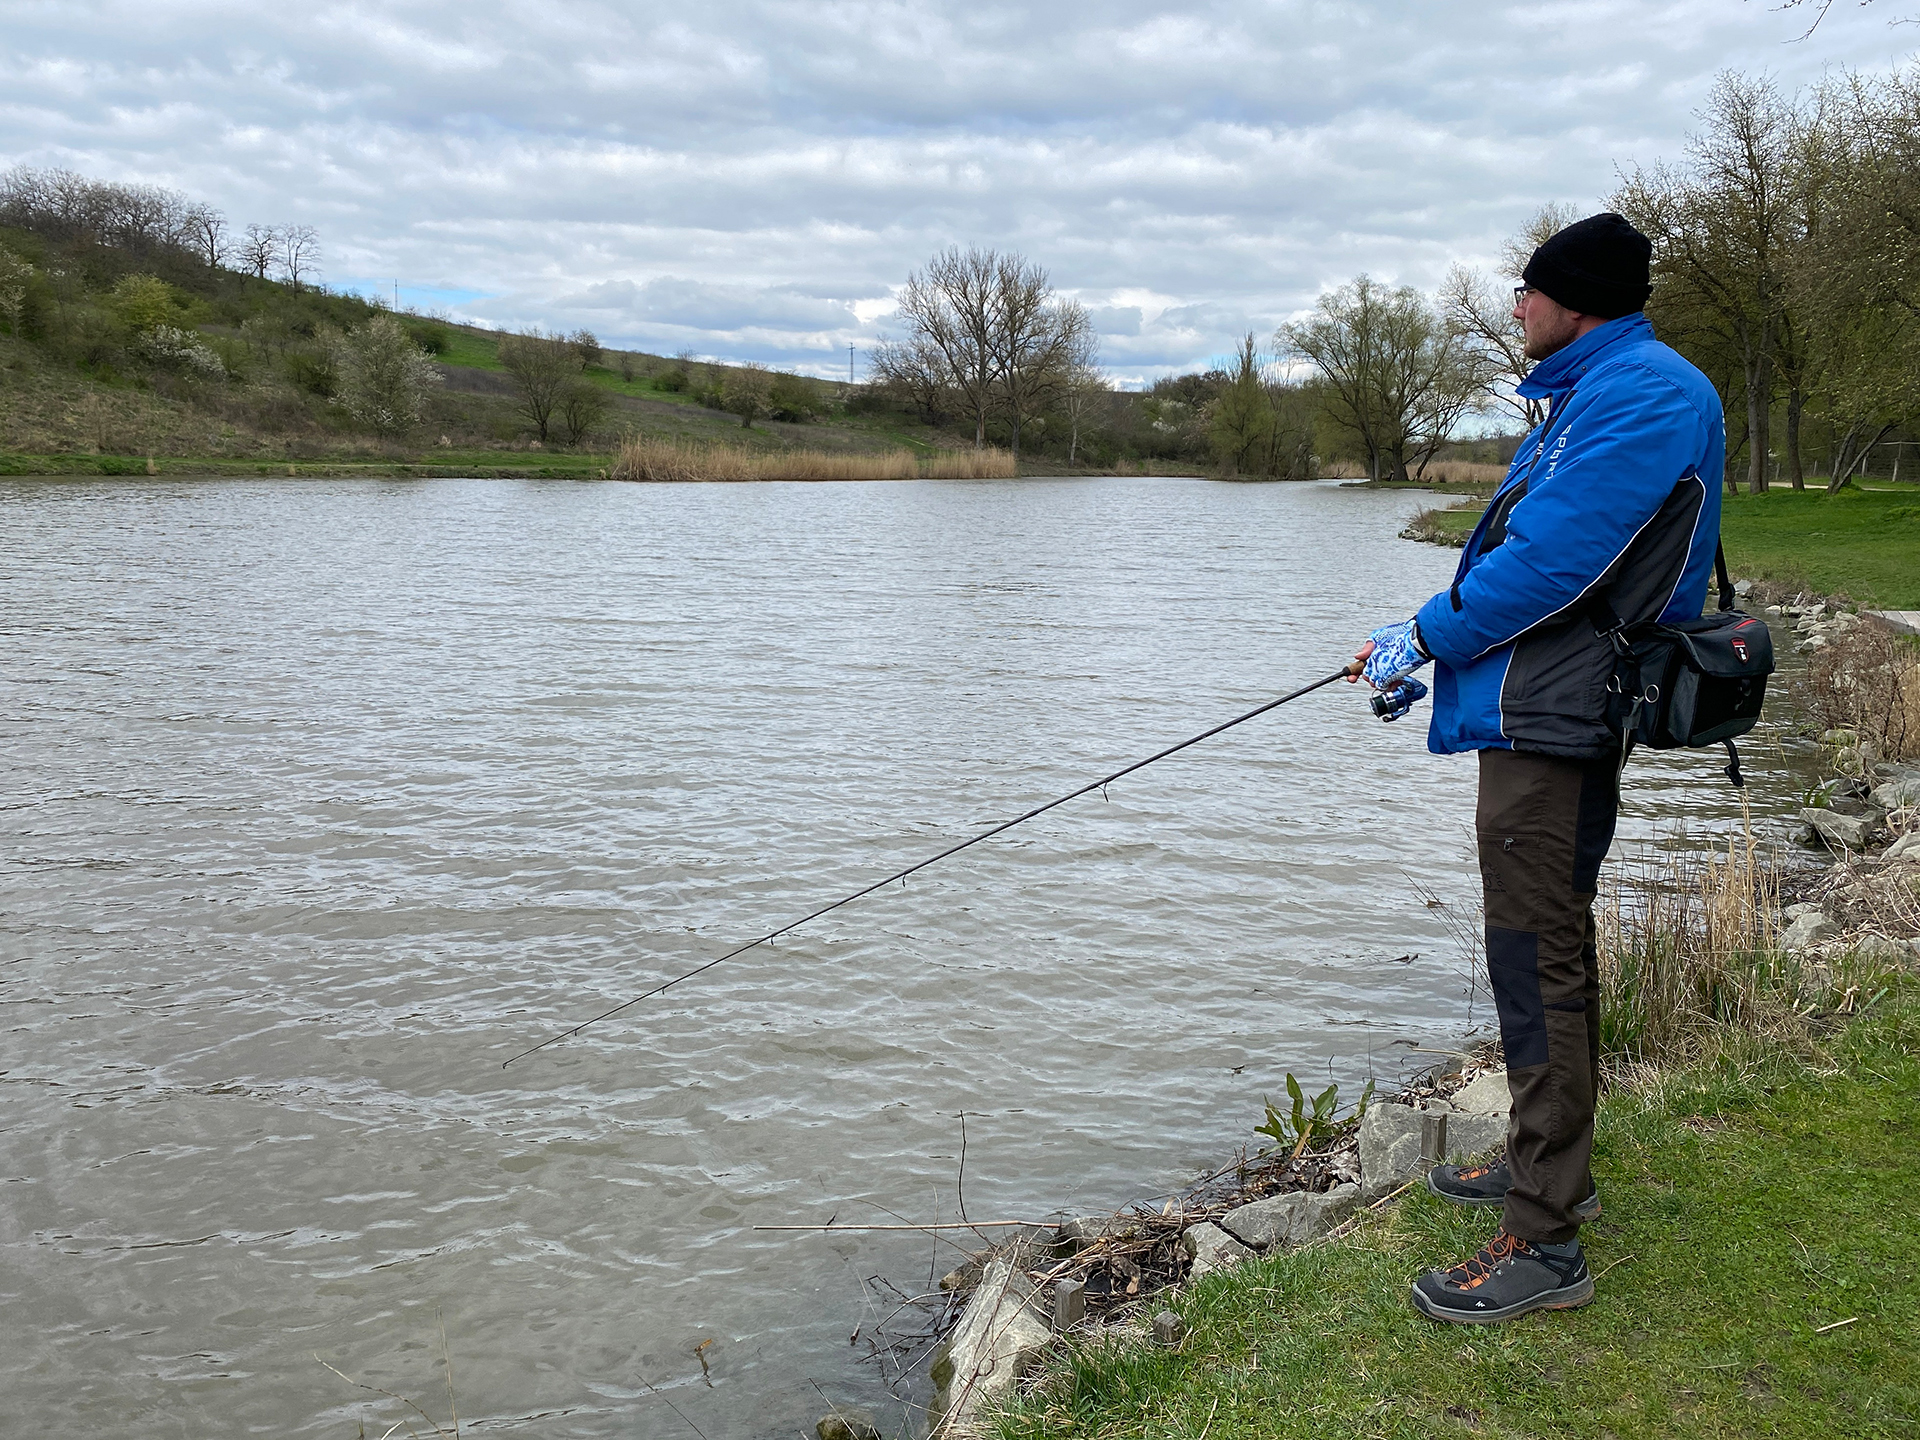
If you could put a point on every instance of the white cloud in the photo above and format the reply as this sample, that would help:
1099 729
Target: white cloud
754 177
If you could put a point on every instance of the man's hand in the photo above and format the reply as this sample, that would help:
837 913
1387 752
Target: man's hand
1391 653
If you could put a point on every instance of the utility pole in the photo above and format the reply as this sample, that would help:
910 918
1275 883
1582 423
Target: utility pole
396 296
849 364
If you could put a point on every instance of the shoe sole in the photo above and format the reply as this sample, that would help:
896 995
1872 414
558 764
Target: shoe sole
1568 1297
1586 1212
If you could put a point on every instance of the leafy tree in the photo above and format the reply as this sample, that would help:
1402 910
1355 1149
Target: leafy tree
585 345
1240 421
144 302
1396 378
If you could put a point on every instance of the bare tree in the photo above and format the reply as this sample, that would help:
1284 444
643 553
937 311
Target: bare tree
952 308
1034 340
1084 390
916 371
299 253
585 345
14 275
583 405
541 365
257 250
206 232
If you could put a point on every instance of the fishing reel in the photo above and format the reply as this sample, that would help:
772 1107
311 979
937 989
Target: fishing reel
1395 701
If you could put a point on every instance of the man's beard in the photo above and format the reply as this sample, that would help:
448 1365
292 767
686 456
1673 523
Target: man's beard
1553 338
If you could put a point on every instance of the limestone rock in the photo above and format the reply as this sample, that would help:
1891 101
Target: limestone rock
1809 929
1804 907
1848 832
1290 1219
1907 847
1000 1337
1211 1248
847 1423
1898 793
1390 1144
1486 1095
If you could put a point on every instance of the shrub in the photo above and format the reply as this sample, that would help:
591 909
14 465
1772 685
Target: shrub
794 398
384 376
433 339
586 345
171 348
583 405
144 302
746 392
14 275
1867 679
673 380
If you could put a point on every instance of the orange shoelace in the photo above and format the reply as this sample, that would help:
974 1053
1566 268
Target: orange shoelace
1475 1272
1476 1172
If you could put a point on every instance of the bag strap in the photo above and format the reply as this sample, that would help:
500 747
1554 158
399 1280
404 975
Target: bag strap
1720 573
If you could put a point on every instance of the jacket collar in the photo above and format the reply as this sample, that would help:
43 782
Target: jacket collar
1561 371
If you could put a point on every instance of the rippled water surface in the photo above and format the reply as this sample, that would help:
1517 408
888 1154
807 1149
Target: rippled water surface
324 798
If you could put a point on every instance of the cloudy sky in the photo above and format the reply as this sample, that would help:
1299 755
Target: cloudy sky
752 180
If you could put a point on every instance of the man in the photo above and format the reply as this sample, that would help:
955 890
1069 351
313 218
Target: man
1610 509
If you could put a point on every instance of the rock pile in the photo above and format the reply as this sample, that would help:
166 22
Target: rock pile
1113 1263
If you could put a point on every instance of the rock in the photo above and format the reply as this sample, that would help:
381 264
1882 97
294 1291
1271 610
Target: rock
1907 847
1775 611
1808 930
1743 588
1841 832
1805 907
1486 1095
847 1423
1083 1230
1881 951
1900 793
1838 737
1390 1144
1290 1219
1811 643
965 1278
1211 1248
1169 1329
1000 1337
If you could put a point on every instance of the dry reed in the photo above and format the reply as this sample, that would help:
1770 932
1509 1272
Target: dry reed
1867 679
651 458
1689 960
1463 472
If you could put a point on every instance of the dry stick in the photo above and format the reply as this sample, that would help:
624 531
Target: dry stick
1346 672
1836 1325
673 1407
447 1350
1621 1261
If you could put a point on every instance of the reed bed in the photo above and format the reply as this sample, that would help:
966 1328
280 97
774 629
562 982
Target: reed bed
650 458
1867 679
1690 965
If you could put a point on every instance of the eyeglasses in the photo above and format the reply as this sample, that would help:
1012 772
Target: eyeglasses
1520 293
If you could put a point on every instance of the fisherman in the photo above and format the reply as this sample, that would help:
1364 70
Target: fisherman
1611 508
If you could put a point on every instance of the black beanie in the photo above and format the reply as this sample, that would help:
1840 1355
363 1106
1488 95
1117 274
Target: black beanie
1596 266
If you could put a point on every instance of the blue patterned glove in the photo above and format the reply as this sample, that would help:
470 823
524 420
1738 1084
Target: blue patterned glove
1395 654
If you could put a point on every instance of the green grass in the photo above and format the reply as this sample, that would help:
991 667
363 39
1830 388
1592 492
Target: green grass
1746 1207
1861 543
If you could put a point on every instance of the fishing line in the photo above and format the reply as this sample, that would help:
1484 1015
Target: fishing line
1346 672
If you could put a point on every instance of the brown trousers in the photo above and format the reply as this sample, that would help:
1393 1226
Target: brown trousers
1544 825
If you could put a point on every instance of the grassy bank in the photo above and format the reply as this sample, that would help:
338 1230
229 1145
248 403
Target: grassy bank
1864 544
651 459
477 464
1758 1275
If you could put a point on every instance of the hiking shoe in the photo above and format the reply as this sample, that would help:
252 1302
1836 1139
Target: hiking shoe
1509 1277
1487 1185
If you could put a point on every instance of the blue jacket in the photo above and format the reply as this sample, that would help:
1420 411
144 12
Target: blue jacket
1615 496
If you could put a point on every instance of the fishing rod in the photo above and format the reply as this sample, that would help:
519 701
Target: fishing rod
1345 672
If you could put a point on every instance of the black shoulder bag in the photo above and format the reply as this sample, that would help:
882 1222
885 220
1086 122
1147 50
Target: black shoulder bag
1693 683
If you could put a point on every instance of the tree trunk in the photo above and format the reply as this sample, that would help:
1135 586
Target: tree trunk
1759 419
1795 470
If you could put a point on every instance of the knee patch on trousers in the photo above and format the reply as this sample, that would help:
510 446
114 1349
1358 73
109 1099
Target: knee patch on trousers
1513 966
